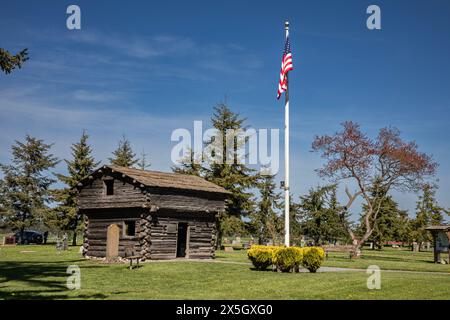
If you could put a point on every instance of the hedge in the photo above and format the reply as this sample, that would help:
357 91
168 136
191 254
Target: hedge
286 259
261 256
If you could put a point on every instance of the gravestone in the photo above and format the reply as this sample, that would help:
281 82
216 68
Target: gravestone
59 245
9 240
228 249
64 242
112 242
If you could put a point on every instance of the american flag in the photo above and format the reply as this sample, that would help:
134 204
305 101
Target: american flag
286 66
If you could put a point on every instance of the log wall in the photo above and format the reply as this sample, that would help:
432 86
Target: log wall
97 225
163 235
186 200
125 195
156 233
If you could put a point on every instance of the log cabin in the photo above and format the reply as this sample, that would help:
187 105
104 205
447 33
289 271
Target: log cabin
160 215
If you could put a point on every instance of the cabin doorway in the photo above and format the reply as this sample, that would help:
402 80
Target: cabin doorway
182 240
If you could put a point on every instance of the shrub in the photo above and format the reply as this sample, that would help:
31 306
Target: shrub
260 256
298 258
312 258
287 259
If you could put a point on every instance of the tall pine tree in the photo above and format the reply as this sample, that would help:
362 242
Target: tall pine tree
218 165
189 165
26 183
318 215
428 212
124 156
265 219
143 162
225 170
79 167
390 224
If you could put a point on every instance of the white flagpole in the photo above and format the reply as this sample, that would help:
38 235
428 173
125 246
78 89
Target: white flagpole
286 155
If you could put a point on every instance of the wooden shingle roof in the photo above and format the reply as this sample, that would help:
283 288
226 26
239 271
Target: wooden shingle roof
168 180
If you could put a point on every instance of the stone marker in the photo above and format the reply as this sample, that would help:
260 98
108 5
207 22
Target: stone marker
112 242
228 249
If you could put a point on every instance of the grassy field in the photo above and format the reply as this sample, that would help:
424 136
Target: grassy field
387 259
39 272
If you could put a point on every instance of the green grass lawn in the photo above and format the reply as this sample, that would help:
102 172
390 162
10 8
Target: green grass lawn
387 259
41 274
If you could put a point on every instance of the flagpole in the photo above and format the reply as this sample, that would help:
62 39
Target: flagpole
286 155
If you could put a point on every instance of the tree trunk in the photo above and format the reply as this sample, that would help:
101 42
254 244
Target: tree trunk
22 232
74 238
356 253
218 238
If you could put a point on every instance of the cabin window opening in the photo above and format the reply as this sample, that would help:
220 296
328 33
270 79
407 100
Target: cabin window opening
130 228
109 187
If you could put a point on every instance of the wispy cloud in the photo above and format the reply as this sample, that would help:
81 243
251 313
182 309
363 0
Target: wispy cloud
95 96
138 47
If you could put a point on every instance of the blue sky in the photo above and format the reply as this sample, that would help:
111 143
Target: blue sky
145 68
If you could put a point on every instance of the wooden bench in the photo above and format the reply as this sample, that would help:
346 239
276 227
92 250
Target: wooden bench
131 254
339 248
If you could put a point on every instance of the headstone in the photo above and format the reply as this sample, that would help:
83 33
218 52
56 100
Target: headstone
370 245
65 246
228 249
112 242
59 245
10 240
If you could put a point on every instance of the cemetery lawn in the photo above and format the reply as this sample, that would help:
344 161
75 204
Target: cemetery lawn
387 259
38 272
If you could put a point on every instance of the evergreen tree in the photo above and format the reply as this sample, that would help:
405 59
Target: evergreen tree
25 187
123 156
265 219
390 224
319 217
232 226
81 165
428 212
295 223
225 170
9 62
221 166
143 163
189 165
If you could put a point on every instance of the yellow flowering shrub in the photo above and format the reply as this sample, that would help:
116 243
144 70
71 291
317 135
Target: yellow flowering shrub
286 259
261 256
313 258
320 251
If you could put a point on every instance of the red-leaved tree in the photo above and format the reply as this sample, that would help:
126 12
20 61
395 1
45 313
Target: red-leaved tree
376 166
